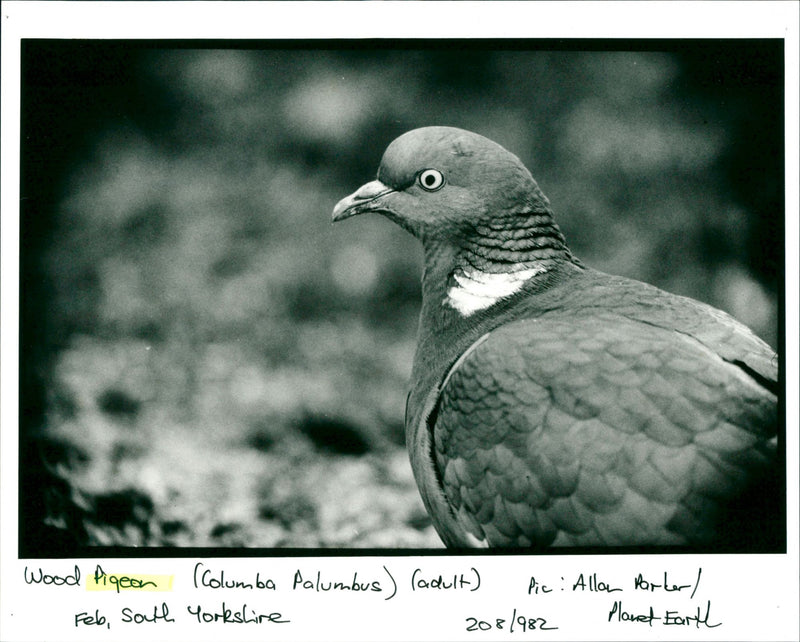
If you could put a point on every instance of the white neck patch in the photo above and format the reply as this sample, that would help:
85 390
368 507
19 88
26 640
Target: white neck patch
475 290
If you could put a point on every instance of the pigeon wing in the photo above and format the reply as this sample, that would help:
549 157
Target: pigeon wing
595 429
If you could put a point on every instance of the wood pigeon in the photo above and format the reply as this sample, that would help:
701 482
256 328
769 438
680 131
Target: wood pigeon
552 404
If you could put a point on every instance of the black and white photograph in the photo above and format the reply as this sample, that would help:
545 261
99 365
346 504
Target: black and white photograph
485 299
209 361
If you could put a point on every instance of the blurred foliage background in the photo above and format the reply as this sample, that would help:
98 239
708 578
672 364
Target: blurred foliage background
206 361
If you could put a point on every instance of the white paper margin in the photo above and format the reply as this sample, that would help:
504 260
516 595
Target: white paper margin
756 596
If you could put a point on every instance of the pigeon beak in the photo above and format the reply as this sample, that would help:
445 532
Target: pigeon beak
358 202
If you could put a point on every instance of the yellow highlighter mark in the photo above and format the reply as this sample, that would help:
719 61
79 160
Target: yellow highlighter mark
102 581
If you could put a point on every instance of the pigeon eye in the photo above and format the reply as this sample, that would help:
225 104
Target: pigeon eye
431 179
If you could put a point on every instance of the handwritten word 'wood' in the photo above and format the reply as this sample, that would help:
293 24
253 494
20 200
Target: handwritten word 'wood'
31 577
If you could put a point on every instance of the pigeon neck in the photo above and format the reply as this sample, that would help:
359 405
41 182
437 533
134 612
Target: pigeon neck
496 258
444 330
503 244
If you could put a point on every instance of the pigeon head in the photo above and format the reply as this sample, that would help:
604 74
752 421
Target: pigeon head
442 181
486 228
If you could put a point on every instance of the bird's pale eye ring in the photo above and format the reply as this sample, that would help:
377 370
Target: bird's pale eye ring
430 179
